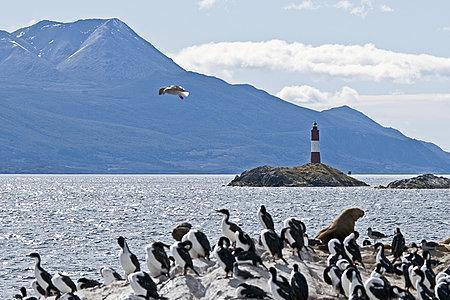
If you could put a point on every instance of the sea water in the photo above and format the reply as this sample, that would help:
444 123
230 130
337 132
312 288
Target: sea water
73 221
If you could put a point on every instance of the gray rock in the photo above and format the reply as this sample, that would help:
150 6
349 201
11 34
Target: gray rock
427 181
308 175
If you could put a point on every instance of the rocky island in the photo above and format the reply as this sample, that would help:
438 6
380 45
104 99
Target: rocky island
309 175
426 181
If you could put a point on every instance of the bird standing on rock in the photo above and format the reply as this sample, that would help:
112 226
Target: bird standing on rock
158 262
201 246
245 290
244 241
181 256
110 275
279 286
273 244
381 258
352 249
63 283
375 235
144 286
242 275
224 257
265 218
299 285
398 245
228 228
44 279
128 260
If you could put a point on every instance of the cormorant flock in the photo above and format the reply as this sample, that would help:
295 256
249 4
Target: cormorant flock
235 248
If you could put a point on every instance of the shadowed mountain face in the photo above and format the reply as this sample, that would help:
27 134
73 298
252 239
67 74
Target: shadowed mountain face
83 97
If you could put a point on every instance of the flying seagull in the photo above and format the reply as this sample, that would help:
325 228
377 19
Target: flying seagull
174 90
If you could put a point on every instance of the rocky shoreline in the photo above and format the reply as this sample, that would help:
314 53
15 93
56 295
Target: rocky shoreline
309 175
213 285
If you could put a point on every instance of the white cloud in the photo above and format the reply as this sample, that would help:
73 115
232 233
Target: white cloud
356 62
386 8
447 28
206 4
356 8
309 96
305 5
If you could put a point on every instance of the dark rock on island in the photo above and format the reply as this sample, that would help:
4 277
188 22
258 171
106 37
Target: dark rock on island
309 175
427 181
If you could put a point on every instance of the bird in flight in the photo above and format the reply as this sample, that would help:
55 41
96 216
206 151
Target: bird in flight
174 90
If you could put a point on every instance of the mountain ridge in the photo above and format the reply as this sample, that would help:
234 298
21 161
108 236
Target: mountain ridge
100 113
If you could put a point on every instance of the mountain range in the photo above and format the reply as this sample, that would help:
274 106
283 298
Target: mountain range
82 97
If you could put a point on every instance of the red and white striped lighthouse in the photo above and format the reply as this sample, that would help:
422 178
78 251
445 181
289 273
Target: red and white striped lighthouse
315 150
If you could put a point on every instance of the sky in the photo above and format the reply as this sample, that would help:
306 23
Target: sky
389 59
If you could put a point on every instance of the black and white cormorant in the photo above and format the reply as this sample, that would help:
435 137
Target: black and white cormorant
23 295
110 275
181 256
299 285
63 283
144 286
85 283
381 258
228 228
37 288
423 292
337 252
242 275
44 279
398 245
377 287
279 286
244 241
332 276
359 293
295 223
248 257
128 260
293 238
224 256
430 276
375 235
401 294
273 244
350 279
158 262
245 290
201 247
265 218
352 249
442 290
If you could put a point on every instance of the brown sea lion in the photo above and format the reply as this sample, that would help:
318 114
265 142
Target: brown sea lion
342 226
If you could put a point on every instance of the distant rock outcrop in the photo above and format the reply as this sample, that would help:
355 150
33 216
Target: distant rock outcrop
309 175
427 181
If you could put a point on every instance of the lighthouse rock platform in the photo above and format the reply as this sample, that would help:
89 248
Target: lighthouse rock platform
309 175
